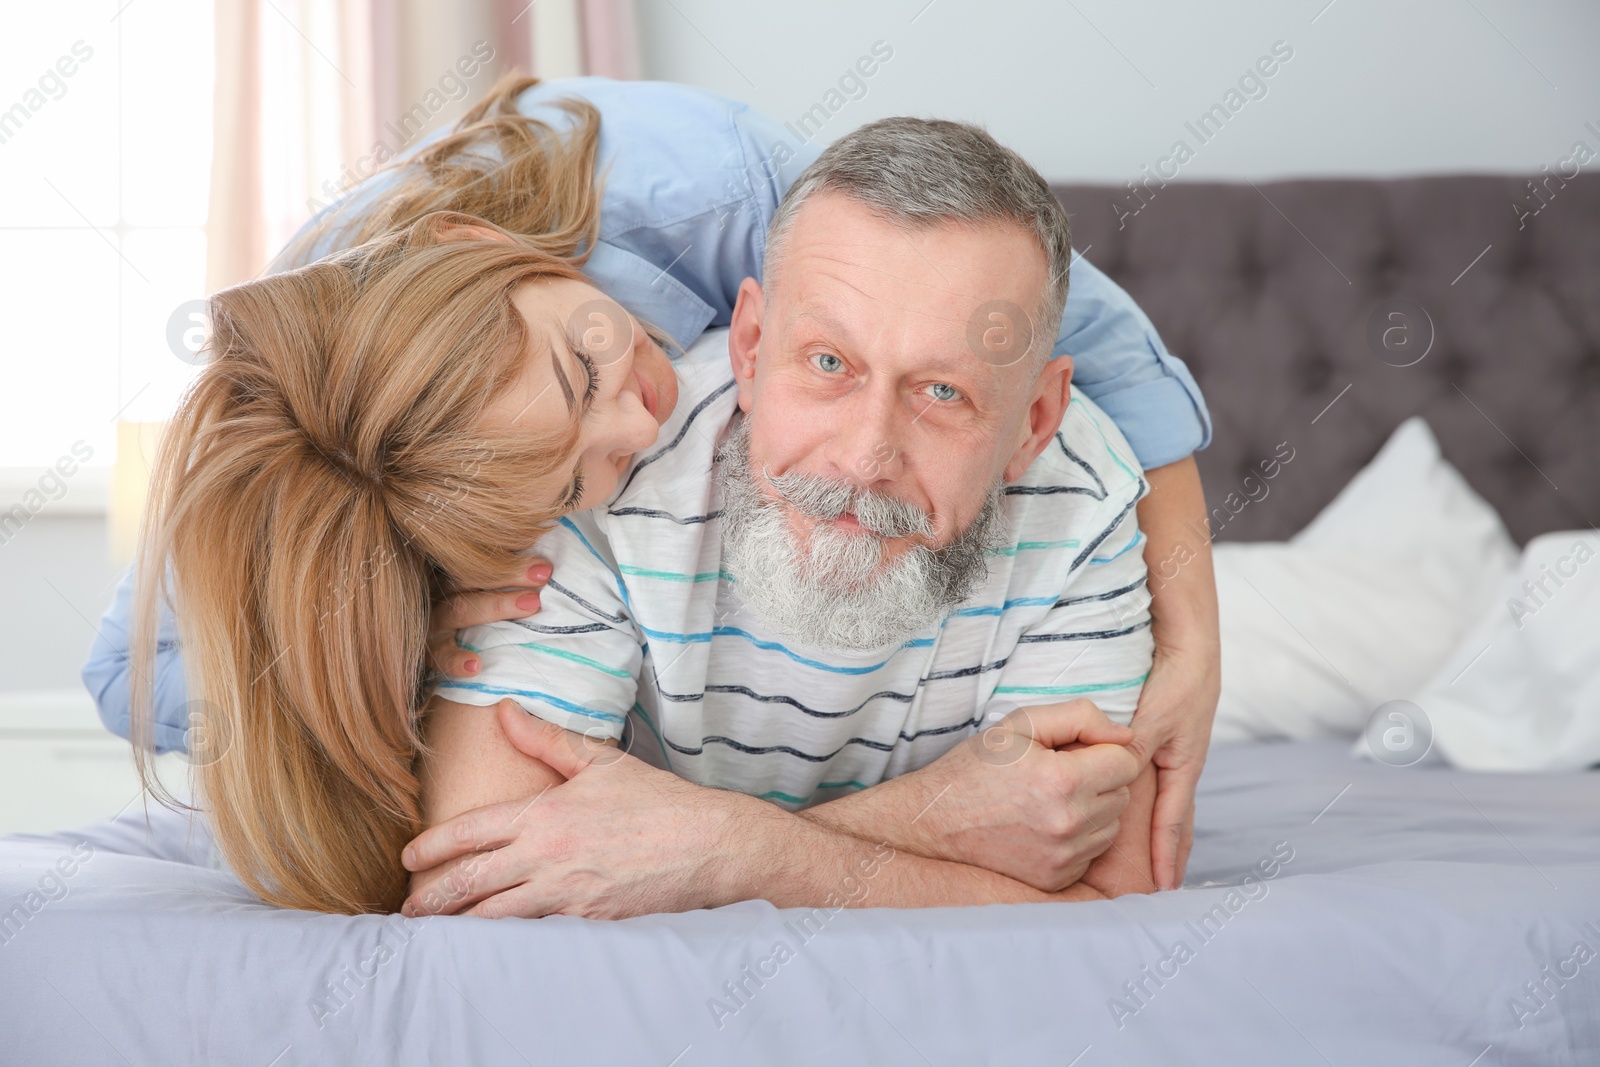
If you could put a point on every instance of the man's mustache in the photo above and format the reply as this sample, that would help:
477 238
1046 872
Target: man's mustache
827 499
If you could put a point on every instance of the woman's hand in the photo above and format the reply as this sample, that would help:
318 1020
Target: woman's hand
1172 726
1172 729
518 599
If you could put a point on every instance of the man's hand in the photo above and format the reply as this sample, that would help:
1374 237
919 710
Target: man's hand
1035 797
594 832
518 599
616 838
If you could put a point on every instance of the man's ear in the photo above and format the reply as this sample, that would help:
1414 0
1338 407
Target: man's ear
744 339
1051 394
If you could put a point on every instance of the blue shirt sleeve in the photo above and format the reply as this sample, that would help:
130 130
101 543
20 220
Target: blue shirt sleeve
1120 363
107 675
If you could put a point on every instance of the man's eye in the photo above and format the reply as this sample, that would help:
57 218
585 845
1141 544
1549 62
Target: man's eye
827 362
943 391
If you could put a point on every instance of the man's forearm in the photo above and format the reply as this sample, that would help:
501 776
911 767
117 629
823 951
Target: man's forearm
800 862
832 867
891 812
897 811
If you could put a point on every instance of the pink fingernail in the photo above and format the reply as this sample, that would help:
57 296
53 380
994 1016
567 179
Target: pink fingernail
540 572
528 601
471 665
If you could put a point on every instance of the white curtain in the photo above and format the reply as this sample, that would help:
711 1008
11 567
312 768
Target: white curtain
572 37
305 89
610 39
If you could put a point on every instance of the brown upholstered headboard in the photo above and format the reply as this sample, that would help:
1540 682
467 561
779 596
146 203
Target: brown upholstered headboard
1281 297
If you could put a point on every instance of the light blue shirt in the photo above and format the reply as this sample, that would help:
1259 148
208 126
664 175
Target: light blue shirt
691 181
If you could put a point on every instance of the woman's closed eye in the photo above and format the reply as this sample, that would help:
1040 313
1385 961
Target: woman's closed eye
591 371
574 493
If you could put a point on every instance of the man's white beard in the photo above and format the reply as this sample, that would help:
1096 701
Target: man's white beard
836 592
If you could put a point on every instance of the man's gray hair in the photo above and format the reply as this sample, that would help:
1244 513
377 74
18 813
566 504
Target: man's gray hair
922 172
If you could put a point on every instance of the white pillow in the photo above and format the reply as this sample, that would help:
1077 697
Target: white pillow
1522 690
1363 605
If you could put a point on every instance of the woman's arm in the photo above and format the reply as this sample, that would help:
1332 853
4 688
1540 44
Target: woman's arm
1172 726
469 763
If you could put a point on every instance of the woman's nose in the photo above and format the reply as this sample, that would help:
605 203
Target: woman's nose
642 428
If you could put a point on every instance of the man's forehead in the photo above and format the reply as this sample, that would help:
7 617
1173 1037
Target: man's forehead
834 233
943 271
867 297
852 226
864 321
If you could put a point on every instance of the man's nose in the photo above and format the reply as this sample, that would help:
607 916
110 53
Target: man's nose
867 438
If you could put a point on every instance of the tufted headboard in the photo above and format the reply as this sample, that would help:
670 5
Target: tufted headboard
1323 313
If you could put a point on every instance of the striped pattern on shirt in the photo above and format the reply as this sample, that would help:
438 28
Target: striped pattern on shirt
642 637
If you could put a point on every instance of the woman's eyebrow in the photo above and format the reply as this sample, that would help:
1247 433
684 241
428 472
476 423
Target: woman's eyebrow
575 404
561 379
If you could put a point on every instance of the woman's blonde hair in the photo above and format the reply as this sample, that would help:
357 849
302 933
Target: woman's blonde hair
523 174
329 474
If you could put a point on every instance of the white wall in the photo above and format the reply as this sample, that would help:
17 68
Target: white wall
56 577
1090 90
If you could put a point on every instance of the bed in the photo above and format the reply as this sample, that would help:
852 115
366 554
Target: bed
1337 911
1390 916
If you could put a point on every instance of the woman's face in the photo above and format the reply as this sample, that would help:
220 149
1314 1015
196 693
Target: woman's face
589 360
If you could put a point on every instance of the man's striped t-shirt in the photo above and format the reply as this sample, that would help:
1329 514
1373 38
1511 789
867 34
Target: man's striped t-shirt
641 635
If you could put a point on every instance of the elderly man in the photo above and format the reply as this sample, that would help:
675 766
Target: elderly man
874 524
691 183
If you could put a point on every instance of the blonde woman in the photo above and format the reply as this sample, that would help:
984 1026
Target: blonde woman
390 425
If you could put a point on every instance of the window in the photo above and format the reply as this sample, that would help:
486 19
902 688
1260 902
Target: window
105 160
